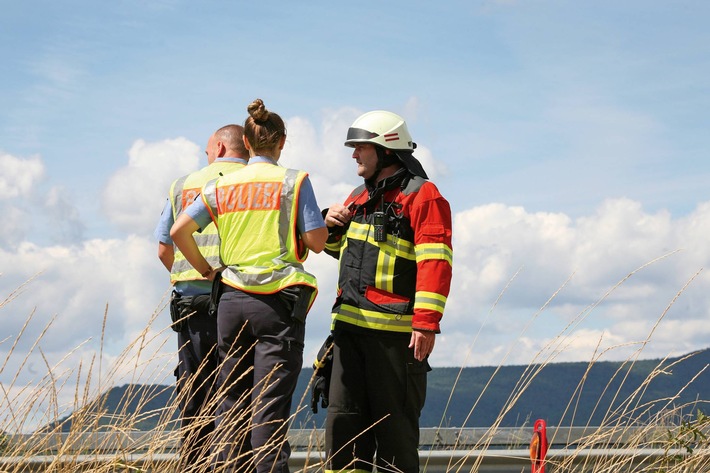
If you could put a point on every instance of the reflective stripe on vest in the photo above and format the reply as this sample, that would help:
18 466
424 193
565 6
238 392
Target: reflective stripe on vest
391 259
389 266
182 194
374 320
256 211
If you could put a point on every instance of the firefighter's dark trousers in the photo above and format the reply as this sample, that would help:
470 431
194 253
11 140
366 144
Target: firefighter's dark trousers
377 391
196 377
262 352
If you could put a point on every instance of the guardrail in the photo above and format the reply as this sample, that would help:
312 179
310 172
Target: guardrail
442 450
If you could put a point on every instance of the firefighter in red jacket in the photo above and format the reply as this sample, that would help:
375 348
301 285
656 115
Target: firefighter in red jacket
392 237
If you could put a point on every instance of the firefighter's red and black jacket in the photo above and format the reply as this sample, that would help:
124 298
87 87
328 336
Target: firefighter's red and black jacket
401 283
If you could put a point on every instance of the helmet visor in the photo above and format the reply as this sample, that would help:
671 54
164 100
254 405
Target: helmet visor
358 134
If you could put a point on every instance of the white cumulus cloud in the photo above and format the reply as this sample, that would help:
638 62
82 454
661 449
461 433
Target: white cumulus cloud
18 176
32 208
531 257
135 194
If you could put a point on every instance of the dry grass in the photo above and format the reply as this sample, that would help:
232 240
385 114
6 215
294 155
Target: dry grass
101 441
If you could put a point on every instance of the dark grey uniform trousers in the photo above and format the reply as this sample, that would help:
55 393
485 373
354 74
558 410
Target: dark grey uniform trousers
196 378
261 350
377 392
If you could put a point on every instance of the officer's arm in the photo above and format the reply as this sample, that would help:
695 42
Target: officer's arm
181 234
315 239
166 254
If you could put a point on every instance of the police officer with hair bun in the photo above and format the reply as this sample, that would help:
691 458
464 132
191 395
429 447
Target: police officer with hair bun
268 219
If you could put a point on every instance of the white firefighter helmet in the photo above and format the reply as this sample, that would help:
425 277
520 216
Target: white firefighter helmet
382 128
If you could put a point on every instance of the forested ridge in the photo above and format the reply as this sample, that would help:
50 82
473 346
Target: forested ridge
567 394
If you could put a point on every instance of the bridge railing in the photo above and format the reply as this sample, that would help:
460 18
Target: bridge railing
447 449
310 439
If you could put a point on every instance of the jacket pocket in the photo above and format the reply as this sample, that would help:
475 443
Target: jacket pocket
416 384
387 302
382 297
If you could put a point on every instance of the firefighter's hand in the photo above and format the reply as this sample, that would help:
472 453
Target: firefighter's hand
319 393
338 215
423 343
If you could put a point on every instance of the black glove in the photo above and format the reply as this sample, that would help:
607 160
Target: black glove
321 377
180 308
319 393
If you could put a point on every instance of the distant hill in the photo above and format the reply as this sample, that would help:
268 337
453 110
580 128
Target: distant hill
562 393
606 386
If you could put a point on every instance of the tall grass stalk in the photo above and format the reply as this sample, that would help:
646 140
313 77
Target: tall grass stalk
83 435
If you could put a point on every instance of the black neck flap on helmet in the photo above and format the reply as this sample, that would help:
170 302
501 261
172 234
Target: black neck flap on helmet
404 157
410 162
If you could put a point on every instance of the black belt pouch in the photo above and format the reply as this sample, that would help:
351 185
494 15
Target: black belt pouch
297 299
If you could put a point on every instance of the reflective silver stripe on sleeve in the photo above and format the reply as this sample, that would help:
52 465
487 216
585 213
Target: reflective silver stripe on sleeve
287 195
177 195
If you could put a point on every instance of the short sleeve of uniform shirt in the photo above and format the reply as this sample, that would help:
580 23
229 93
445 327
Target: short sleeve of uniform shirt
309 214
162 231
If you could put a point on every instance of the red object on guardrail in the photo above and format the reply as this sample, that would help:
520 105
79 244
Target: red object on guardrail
538 446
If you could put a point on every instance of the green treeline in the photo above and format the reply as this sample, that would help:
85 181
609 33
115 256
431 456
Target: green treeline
566 394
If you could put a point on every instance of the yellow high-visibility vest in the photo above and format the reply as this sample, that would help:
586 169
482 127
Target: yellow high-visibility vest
255 211
182 194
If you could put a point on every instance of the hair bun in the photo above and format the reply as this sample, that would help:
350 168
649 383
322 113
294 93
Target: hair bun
258 111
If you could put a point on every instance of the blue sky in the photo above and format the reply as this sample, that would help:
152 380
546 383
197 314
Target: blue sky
571 139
